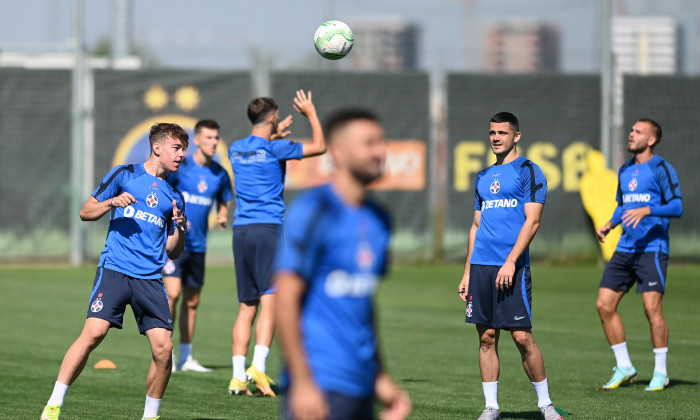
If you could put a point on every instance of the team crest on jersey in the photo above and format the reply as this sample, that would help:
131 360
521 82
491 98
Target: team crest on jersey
469 308
152 200
169 267
633 184
495 186
97 305
202 185
365 257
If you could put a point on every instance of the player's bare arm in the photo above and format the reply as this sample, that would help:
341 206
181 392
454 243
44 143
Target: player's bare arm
304 105
533 214
176 242
306 400
94 210
603 231
282 129
464 284
222 216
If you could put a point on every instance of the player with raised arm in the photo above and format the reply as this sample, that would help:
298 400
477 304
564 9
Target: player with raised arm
259 164
648 196
203 183
147 225
336 249
509 198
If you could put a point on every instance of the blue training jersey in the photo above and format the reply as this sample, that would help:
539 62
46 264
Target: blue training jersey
258 171
500 193
340 251
653 183
137 233
202 187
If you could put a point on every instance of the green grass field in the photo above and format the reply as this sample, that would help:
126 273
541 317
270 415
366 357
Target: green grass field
427 348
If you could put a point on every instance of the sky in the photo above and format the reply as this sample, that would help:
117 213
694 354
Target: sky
230 34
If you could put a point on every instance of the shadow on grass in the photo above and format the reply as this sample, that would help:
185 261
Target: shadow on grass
521 415
413 380
679 382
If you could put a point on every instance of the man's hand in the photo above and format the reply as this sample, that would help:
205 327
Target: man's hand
504 279
179 218
634 216
123 200
463 286
307 402
303 104
397 404
282 129
221 221
603 231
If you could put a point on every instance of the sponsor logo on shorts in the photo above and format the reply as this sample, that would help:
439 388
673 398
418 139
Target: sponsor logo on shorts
518 318
169 267
97 305
470 309
653 283
152 200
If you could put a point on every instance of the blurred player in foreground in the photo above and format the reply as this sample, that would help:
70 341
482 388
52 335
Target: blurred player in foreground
203 183
648 195
327 273
259 164
147 221
509 198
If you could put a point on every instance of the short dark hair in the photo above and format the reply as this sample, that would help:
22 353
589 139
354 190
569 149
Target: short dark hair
210 124
161 131
503 117
259 108
655 126
343 117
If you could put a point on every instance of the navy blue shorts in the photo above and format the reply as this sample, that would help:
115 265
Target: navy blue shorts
647 269
489 307
254 249
189 268
113 290
342 407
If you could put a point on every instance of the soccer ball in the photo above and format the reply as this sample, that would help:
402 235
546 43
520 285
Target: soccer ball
333 40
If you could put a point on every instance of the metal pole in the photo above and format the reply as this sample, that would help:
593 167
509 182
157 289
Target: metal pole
606 77
122 30
76 226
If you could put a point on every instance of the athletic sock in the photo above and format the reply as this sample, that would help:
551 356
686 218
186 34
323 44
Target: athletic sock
239 368
58 394
491 394
185 353
621 355
659 359
260 357
542 391
151 409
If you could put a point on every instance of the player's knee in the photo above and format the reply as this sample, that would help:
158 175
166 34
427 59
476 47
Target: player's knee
162 350
523 341
193 301
604 308
93 335
487 340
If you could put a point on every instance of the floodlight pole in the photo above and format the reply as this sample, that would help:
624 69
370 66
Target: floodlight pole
77 231
606 78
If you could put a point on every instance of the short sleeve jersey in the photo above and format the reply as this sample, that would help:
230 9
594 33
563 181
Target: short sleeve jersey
500 193
651 183
138 233
201 187
339 251
259 167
